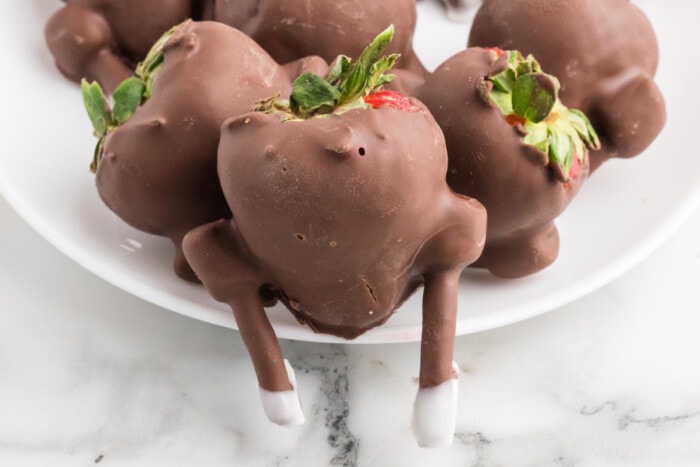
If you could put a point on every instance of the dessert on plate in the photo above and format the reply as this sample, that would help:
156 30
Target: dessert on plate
513 146
103 40
604 53
341 214
155 162
289 29
343 199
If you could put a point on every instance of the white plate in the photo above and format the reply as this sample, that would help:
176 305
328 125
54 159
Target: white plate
626 210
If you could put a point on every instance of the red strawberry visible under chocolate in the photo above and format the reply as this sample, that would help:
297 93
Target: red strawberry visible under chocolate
603 51
102 40
513 146
342 213
156 160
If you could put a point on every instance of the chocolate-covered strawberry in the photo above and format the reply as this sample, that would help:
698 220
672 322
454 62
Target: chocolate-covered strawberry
604 53
513 146
156 159
289 29
458 10
103 40
340 208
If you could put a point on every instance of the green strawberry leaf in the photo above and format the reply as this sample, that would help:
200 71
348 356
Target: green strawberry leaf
377 76
150 67
97 154
356 82
129 95
311 95
504 81
97 107
503 100
339 68
127 98
534 96
584 128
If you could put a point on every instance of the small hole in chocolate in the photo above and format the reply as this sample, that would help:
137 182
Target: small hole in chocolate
301 237
362 151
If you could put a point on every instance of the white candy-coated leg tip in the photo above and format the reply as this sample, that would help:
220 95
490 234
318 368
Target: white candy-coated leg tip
435 414
283 407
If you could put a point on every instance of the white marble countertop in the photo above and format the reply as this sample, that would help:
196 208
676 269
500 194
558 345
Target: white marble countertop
91 375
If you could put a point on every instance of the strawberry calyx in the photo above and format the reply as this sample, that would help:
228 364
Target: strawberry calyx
573 173
346 86
127 97
528 98
391 99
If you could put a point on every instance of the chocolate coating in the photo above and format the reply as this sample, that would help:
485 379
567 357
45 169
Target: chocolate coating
290 29
604 53
457 10
158 172
343 217
489 161
103 39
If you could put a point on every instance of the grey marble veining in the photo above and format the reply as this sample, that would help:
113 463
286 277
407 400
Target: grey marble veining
92 376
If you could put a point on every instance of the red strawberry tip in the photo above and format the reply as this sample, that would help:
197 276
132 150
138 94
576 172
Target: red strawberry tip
497 51
574 172
390 98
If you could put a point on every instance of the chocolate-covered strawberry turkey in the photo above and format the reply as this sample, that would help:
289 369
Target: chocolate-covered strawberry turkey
513 146
102 40
604 53
341 209
156 160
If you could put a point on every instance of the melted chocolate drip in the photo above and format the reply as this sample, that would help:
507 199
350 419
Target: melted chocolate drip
343 216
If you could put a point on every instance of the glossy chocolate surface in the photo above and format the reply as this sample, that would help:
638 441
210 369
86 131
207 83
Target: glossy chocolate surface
604 53
291 29
342 217
158 172
104 39
489 161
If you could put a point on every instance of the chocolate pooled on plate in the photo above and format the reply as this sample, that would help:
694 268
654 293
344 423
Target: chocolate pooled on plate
513 146
341 213
155 162
604 53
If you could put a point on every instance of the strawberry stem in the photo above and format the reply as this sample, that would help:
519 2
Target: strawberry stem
344 87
